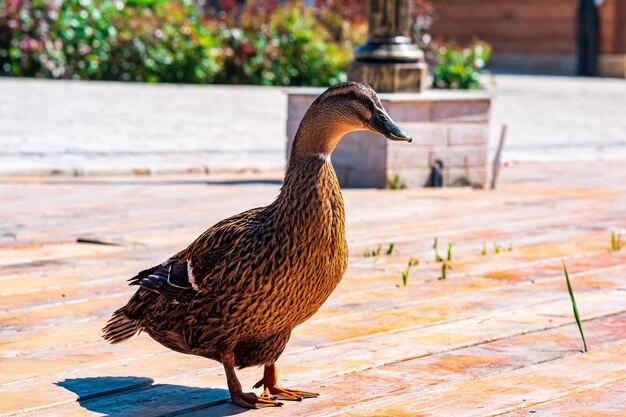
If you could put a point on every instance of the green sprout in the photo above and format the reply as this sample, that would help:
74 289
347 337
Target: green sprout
372 253
444 270
576 316
396 182
510 249
484 251
449 252
390 249
405 274
616 241
437 257
497 248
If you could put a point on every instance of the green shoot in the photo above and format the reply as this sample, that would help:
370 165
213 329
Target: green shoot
510 247
390 249
437 257
576 316
616 241
449 252
405 274
444 270
396 182
484 251
405 277
369 253
497 248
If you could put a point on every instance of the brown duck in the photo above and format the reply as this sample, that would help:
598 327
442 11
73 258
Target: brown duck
238 290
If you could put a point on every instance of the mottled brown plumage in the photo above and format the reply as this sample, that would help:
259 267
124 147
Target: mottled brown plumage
237 291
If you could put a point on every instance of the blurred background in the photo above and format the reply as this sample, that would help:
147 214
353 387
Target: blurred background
152 116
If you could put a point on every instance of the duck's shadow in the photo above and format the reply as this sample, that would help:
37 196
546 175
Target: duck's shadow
132 396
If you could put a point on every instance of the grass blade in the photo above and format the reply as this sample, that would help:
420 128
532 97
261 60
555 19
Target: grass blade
405 274
444 270
576 316
435 247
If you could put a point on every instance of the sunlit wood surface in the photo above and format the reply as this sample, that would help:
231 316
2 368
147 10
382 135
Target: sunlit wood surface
497 337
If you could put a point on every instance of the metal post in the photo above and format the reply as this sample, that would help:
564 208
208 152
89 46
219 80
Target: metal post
390 62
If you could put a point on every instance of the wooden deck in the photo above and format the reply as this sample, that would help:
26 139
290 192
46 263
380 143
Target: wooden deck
497 337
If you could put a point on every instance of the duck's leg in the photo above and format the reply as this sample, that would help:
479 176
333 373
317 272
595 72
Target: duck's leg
238 397
270 389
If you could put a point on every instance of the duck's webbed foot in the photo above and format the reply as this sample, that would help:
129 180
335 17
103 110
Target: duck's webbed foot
252 401
271 390
238 397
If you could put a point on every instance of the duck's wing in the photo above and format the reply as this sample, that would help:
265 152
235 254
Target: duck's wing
195 268
170 279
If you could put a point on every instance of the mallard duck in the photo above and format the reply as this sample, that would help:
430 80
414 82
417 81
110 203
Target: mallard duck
235 294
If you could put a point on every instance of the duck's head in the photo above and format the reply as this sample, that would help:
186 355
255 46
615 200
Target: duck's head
341 109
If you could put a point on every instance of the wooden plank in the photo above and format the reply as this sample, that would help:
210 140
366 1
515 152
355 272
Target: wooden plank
607 400
359 353
342 393
352 314
510 391
493 315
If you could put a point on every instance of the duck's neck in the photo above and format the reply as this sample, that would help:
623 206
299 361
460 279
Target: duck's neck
311 175
319 132
310 198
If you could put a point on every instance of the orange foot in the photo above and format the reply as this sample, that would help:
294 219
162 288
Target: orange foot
254 402
271 390
284 393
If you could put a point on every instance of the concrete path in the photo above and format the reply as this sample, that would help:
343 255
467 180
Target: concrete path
559 118
98 128
78 128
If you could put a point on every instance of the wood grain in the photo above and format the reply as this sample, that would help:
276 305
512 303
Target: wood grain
496 337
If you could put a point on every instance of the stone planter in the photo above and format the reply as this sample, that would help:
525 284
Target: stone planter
451 128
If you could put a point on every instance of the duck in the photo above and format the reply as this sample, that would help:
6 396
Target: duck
235 294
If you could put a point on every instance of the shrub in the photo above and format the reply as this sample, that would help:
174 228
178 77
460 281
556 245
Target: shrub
260 42
266 44
459 68
131 40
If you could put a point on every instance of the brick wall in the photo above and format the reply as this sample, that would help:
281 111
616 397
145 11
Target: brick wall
451 127
533 35
531 26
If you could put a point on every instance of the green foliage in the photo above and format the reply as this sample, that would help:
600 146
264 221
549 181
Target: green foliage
171 41
459 68
288 45
390 249
128 40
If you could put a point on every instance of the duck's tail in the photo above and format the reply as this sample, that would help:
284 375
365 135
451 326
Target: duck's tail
120 327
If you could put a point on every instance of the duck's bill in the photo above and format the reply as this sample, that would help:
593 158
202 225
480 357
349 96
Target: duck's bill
380 122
